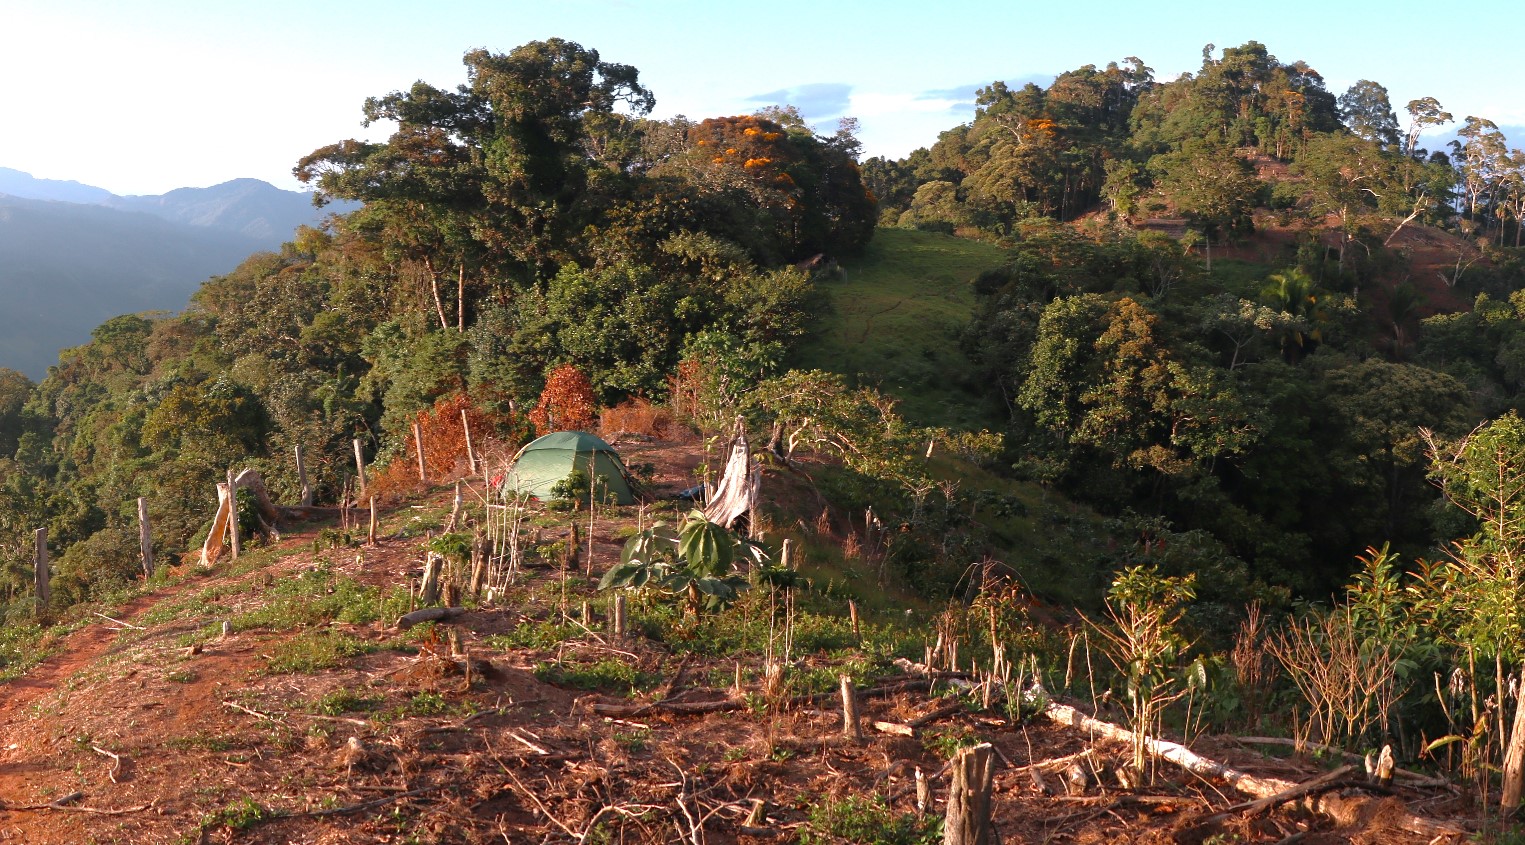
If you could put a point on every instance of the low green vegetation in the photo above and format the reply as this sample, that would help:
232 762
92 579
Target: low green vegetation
869 822
608 675
315 651
319 596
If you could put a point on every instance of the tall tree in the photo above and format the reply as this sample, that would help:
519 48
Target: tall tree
1367 113
1481 155
1423 112
499 168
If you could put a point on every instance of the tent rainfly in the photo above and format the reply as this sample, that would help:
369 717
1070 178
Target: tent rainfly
552 458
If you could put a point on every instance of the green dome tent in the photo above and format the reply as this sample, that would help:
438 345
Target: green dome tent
550 459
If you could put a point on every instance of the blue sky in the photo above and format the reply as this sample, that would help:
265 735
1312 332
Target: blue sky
144 96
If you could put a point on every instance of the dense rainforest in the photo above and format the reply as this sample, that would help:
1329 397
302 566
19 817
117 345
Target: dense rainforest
1245 321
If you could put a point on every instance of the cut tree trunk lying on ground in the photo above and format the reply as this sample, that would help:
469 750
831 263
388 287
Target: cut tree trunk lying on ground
1302 746
1343 810
909 728
427 614
605 708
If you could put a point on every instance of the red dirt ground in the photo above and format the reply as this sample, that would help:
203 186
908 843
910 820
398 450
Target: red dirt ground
215 748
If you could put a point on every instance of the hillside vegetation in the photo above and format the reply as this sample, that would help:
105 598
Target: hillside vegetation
894 318
1200 397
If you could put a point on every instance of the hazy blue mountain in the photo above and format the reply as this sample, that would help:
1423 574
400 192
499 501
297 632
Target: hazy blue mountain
65 268
247 206
73 255
250 207
18 184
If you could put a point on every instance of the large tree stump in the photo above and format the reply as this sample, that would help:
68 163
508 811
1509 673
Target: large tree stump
968 818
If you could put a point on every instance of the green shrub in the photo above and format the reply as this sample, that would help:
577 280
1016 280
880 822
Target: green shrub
867 821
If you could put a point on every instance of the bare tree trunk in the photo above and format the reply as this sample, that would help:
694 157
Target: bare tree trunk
418 443
360 466
1344 810
439 307
302 479
42 577
1514 758
460 301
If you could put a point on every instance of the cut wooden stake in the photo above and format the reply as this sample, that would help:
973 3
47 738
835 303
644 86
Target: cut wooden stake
852 613
145 538
923 792
455 509
41 577
618 621
370 534
418 443
471 454
233 538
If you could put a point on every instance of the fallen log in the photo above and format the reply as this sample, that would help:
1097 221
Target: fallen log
909 728
692 708
1344 810
427 614
1414 778
1337 779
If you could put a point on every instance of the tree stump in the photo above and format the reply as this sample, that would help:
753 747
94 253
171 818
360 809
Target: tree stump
618 620
429 589
968 818
852 727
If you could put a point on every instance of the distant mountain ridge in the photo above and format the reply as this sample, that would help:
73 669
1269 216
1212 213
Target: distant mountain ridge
74 255
250 207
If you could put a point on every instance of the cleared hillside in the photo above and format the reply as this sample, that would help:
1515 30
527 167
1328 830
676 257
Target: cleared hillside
274 700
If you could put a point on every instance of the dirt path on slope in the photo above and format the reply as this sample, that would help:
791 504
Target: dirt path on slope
79 649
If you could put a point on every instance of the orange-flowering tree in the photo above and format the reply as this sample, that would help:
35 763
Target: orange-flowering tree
805 190
566 403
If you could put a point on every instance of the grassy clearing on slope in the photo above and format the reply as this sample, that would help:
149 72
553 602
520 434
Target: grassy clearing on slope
894 323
